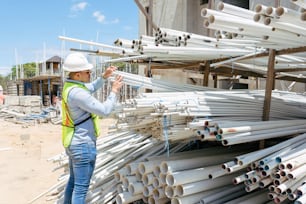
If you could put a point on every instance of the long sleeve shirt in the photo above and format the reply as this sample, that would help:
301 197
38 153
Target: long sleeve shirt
81 104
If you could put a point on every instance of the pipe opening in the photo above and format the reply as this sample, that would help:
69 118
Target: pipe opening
289 166
131 189
280 11
290 176
179 190
257 17
220 6
156 182
156 171
170 180
269 10
303 16
145 179
146 191
156 194
119 199
267 21
258 8
169 191
175 201
164 167
142 168
211 19
270 196
117 176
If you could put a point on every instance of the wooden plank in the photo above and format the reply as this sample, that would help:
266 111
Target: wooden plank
270 82
206 73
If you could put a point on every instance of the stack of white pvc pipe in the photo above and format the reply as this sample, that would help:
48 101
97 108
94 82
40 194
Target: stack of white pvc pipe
179 178
255 131
181 115
122 158
280 168
279 27
156 84
115 151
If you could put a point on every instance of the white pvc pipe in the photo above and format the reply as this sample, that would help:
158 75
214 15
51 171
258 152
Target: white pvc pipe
127 180
188 176
148 190
159 193
147 178
299 171
301 189
261 9
204 185
221 193
293 163
90 43
135 188
301 200
197 162
287 184
125 198
235 10
194 198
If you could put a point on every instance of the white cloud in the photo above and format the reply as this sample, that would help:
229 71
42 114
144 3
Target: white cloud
79 6
102 19
99 17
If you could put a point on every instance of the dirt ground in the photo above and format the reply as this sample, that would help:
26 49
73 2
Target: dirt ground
25 172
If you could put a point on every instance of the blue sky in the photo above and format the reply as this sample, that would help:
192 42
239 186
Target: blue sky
28 27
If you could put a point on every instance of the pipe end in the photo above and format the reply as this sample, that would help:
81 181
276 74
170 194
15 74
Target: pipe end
269 10
303 16
258 8
220 6
280 11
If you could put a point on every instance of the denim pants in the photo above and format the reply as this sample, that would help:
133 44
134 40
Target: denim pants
82 158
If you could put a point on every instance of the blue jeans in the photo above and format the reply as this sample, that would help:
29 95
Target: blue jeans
82 158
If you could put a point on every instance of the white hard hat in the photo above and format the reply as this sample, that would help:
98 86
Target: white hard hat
76 62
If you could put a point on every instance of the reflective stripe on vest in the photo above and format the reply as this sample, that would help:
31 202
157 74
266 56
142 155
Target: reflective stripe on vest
67 122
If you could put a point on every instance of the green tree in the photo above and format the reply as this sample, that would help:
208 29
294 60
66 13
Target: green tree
3 81
28 69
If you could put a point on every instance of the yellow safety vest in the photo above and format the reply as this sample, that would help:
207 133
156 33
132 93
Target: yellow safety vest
67 122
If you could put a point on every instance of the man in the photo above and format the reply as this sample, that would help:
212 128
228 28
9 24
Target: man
80 125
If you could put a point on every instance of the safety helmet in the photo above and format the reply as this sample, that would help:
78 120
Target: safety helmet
76 62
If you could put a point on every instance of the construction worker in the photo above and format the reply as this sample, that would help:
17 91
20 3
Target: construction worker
80 125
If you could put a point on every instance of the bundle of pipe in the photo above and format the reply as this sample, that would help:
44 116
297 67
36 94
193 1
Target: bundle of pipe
175 116
156 84
114 152
144 40
245 22
191 53
129 146
280 168
161 179
230 134
125 43
280 18
169 37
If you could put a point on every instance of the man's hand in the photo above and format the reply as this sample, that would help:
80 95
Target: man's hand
117 84
108 72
